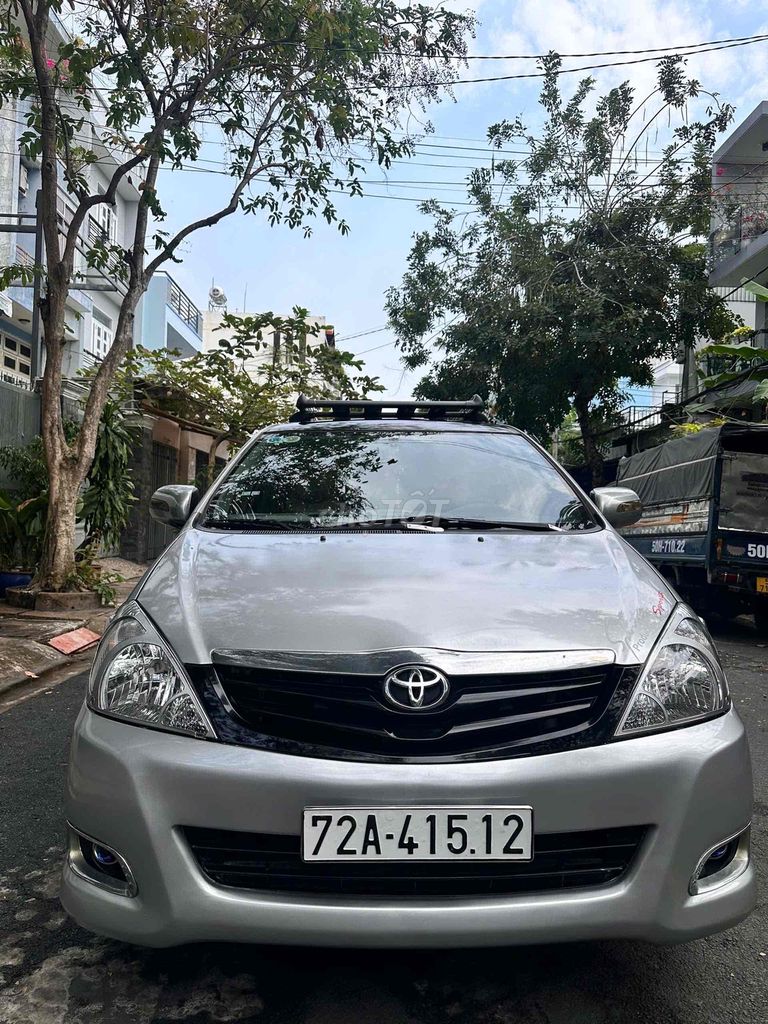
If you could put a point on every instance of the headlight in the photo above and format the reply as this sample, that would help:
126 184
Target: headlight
137 678
682 682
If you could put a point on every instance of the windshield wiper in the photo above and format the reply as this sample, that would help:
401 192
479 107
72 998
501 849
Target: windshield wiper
391 523
437 523
460 523
429 524
259 523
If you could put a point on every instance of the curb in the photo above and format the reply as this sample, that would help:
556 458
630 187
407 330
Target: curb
55 667
77 663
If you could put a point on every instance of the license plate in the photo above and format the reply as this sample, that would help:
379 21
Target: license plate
417 833
762 584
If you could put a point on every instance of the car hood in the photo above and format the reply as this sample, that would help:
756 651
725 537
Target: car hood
359 592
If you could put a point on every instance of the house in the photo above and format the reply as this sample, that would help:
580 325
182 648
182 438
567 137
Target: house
738 241
275 349
738 246
94 300
168 319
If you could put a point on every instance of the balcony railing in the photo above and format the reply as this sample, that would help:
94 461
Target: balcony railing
24 258
182 305
737 231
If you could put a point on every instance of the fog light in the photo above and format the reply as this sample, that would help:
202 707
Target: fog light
104 856
721 864
100 864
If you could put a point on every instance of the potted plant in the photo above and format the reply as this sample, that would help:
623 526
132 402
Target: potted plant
21 535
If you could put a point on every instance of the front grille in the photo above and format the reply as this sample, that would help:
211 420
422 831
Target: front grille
338 715
272 863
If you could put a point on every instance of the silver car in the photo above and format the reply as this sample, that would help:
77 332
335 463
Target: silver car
398 682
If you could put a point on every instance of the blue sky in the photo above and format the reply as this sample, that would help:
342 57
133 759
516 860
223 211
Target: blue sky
345 278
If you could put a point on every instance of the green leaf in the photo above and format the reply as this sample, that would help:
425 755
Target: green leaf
748 352
761 392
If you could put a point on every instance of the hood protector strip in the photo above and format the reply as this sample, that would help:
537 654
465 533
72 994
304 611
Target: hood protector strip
454 663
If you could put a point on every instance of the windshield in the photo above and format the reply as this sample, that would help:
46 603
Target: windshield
326 478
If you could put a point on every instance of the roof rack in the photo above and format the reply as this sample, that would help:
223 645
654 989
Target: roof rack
309 409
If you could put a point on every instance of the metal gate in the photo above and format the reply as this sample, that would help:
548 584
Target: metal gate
164 468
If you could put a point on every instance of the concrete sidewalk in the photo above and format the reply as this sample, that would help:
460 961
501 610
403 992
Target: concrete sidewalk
29 639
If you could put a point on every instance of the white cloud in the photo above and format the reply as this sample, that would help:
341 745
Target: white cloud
739 74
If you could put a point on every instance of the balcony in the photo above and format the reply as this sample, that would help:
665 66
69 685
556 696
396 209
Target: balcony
738 245
183 307
738 242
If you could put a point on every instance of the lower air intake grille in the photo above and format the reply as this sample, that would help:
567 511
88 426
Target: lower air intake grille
272 863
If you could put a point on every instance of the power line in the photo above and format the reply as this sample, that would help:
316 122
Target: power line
741 285
362 334
611 53
489 151
748 41
677 47
691 50
387 344
445 154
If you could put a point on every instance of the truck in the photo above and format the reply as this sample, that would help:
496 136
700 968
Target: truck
705 517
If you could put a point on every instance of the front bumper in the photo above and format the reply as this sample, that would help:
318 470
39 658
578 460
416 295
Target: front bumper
133 788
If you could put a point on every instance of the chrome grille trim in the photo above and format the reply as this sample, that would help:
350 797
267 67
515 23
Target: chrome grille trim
453 663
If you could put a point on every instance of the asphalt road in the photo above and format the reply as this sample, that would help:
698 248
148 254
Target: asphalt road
52 972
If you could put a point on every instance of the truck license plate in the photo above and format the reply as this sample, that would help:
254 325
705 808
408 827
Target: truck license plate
417 833
762 584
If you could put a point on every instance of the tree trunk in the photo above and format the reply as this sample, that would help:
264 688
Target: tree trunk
591 451
211 471
68 465
58 554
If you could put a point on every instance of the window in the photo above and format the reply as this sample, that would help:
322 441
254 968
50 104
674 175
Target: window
64 214
16 356
101 334
320 478
103 222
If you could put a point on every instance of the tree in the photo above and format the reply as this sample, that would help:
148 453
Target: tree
215 389
579 263
290 89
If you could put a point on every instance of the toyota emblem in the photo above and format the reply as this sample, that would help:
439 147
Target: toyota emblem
416 688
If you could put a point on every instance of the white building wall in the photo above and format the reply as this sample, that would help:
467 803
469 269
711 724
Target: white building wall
213 333
9 178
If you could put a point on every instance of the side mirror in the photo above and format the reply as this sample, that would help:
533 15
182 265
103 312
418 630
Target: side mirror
619 505
173 504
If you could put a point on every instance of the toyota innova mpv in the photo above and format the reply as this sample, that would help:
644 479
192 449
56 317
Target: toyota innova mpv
399 682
